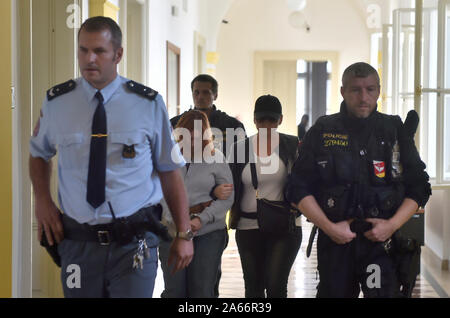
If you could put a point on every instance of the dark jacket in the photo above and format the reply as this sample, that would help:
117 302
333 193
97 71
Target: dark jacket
220 120
359 168
301 131
288 154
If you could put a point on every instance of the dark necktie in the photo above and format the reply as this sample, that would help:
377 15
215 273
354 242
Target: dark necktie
97 156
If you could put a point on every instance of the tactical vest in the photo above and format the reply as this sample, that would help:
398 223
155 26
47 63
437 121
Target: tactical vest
358 182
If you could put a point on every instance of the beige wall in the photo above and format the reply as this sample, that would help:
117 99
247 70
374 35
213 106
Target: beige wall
437 220
262 25
203 19
104 8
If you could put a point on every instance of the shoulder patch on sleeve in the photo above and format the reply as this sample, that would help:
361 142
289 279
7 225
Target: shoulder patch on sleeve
61 89
142 90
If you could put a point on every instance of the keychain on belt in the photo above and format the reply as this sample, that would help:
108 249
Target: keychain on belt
142 251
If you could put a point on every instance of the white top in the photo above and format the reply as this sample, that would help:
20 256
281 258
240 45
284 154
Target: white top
271 184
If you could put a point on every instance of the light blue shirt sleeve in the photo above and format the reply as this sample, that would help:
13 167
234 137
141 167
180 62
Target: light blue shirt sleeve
41 145
166 153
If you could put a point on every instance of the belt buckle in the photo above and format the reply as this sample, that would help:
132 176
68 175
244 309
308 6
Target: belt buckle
103 238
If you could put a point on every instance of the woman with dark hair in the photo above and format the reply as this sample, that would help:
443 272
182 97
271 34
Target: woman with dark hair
206 167
260 166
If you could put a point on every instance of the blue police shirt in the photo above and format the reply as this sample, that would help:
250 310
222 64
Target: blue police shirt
131 183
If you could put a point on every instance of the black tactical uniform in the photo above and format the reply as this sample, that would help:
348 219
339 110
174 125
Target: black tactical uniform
357 169
220 120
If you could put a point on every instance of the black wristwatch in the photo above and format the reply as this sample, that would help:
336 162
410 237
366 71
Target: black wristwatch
188 235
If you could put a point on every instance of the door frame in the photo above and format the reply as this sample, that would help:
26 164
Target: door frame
22 220
25 116
317 56
145 48
170 47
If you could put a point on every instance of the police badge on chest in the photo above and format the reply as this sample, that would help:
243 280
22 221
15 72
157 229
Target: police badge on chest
128 152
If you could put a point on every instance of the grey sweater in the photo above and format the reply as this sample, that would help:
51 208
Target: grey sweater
199 181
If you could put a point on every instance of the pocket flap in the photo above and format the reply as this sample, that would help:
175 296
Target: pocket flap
127 138
70 139
337 191
325 166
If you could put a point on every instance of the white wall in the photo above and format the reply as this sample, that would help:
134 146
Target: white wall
177 30
437 220
262 25
212 14
203 16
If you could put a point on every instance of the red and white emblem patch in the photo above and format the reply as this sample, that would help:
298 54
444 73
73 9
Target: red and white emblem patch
379 168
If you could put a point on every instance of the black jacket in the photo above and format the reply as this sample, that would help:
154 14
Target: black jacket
288 154
220 120
358 168
301 131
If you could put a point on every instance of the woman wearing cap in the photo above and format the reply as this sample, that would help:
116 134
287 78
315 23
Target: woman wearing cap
206 167
266 258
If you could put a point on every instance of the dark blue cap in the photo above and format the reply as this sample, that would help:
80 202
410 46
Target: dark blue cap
268 106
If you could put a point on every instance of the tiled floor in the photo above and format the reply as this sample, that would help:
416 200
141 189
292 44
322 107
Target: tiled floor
302 280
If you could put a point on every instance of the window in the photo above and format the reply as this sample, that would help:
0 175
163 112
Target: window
386 72
313 79
428 114
403 62
435 135
446 97
446 165
302 90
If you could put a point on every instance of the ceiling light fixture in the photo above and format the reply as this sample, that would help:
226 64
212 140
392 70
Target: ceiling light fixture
297 18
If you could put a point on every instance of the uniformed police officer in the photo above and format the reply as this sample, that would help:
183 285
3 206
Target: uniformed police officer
115 163
358 178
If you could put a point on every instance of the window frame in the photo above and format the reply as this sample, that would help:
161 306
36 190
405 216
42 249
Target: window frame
440 89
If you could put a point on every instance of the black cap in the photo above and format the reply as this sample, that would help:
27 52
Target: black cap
267 106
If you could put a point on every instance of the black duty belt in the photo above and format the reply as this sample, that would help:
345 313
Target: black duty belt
358 226
122 230
102 233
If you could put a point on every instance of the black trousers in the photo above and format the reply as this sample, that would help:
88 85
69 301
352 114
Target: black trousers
347 269
266 261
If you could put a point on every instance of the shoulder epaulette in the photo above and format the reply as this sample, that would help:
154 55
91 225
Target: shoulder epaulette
140 89
61 89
